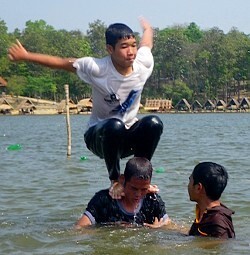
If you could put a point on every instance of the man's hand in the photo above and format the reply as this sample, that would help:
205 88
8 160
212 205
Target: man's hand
158 223
17 52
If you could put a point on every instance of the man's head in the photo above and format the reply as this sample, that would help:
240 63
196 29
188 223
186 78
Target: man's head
209 176
122 47
136 179
116 32
139 168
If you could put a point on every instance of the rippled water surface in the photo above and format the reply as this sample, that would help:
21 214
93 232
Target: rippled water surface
43 192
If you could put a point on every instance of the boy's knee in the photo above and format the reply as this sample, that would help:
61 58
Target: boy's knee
153 122
113 127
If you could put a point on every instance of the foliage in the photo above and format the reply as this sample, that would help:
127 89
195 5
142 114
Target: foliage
177 91
96 37
189 62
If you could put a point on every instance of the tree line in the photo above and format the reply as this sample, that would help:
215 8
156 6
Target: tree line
190 62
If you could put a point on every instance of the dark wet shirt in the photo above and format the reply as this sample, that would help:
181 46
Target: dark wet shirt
215 222
103 209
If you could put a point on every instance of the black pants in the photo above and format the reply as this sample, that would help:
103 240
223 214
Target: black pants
112 141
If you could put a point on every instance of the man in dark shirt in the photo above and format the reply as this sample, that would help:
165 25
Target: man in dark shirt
206 184
137 206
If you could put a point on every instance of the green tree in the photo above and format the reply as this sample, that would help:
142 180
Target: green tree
177 91
4 43
240 70
211 59
16 85
169 50
193 33
96 37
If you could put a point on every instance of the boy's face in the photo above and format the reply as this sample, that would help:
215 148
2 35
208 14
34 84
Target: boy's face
124 53
191 188
136 189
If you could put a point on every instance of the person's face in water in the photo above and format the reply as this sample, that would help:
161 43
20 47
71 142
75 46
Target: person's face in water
135 190
124 53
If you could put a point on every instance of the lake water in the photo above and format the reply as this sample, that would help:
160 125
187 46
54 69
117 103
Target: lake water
43 193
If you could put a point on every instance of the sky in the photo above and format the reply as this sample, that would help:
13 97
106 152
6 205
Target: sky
77 14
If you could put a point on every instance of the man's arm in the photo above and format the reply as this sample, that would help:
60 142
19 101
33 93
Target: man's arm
84 221
147 37
18 53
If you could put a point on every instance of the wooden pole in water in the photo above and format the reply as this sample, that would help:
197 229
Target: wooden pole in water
66 87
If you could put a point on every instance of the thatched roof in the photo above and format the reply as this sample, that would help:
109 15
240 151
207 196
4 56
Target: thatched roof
5 105
85 103
62 105
233 104
209 105
196 105
183 105
26 105
244 104
221 105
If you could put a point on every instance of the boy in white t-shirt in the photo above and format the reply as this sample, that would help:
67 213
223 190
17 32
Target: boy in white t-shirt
117 81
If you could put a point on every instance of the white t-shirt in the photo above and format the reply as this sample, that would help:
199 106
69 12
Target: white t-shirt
115 95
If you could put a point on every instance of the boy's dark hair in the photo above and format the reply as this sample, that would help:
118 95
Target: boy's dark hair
138 167
116 32
212 176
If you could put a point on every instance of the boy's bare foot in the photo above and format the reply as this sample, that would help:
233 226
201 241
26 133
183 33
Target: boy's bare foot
116 190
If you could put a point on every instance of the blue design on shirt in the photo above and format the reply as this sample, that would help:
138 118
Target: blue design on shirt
127 103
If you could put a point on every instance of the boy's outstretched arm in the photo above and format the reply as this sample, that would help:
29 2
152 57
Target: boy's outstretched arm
18 53
147 37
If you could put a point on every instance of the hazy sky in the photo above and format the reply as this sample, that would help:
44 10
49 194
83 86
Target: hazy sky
77 14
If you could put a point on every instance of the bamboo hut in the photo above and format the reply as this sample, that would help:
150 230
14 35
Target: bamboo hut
85 105
183 105
155 105
209 105
165 105
151 105
233 104
5 106
61 108
26 107
221 105
196 106
244 104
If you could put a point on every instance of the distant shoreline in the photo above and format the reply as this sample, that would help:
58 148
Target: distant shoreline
47 107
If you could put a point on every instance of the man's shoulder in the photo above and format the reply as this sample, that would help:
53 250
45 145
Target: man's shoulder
145 58
220 211
92 63
101 195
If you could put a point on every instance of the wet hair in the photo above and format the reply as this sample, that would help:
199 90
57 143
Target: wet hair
138 167
212 176
116 32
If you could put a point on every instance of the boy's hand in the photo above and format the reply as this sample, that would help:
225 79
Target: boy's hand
144 23
116 190
153 189
17 52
